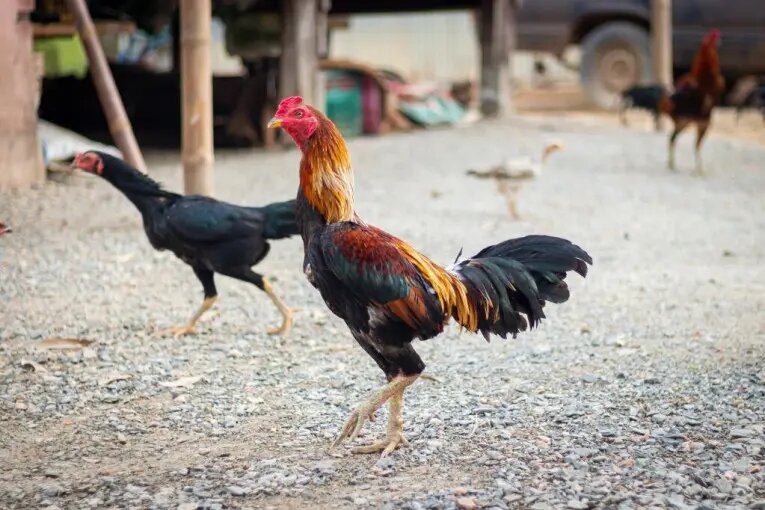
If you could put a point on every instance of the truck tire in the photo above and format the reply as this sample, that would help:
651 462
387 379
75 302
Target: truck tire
615 56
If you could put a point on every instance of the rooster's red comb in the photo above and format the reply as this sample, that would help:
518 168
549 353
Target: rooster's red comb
287 104
712 37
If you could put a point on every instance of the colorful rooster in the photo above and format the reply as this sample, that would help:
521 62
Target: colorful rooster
387 292
696 94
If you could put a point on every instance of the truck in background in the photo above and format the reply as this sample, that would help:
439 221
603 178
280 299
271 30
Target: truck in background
615 40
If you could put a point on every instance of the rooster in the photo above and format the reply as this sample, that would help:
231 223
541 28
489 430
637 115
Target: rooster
644 97
696 94
5 229
209 235
754 99
388 293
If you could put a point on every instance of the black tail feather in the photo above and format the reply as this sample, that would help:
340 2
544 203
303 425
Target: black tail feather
512 280
280 220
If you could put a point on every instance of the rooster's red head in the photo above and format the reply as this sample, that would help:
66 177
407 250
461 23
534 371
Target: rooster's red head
5 229
89 162
326 178
297 119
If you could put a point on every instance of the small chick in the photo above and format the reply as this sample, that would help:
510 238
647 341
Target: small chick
514 173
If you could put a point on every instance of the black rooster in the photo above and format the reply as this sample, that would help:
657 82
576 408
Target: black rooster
755 98
644 97
209 235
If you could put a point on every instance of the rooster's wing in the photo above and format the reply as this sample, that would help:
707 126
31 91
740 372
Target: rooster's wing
371 268
195 220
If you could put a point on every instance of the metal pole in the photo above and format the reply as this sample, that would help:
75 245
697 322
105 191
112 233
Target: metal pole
108 95
661 41
196 87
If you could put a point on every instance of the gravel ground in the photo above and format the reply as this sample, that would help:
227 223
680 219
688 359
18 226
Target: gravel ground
645 390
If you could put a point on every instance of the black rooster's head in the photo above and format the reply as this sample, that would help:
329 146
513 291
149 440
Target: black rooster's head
89 162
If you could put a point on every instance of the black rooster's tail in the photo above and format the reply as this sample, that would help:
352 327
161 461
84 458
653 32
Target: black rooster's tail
516 277
280 220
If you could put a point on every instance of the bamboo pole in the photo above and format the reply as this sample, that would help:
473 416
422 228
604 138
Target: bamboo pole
661 41
108 95
196 86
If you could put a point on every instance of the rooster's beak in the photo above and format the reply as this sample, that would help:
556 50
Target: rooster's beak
274 123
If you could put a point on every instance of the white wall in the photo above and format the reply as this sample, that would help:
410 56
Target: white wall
438 46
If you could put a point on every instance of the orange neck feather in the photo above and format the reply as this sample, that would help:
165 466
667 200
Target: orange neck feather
326 178
706 62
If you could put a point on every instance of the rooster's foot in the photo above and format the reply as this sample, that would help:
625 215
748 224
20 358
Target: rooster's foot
393 393
353 425
190 327
386 446
179 331
395 435
287 320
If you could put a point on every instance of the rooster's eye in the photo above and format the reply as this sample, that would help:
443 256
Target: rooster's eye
299 113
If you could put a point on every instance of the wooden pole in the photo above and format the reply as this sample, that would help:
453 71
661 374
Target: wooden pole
108 95
493 33
196 92
20 157
322 52
661 41
299 65
511 42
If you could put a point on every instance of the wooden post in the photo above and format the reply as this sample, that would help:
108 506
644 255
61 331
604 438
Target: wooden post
511 42
493 33
299 65
196 93
108 95
322 52
20 158
661 41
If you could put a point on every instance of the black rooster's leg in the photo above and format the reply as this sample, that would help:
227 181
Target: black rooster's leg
656 121
286 312
211 295
680 124
701 131
623 113
260 282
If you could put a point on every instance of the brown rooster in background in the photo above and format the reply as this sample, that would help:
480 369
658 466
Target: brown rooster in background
388 293
696 94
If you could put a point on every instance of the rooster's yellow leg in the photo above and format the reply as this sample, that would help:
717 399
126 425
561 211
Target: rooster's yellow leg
366 410
190 327
394 437
283 310
702 128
